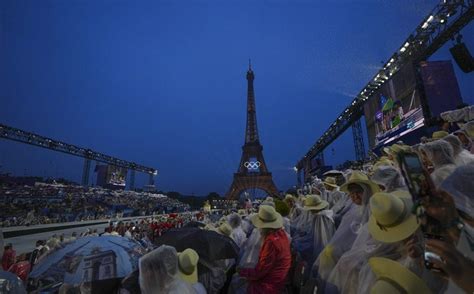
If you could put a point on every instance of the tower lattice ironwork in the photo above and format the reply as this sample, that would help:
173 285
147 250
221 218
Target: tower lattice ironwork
253 171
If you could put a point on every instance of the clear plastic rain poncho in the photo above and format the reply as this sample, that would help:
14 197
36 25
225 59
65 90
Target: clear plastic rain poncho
334 197
238 234
440 153
389 177
250 250
159 273
460 185
399 253
344 237
349 273
315 235
340 243
461 156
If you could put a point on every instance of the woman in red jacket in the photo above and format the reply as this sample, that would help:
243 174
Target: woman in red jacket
269 276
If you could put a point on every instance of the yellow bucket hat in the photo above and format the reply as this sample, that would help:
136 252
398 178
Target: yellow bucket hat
382 162
358 177
225 229
314 202
439 135
330 181
187 265
289 197
391 219
393 277
267 218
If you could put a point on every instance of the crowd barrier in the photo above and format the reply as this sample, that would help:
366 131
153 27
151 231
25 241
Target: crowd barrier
10 232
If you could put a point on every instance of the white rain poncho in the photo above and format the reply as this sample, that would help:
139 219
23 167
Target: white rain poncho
389 177
343 238
238 234
440 153
340 243
460 185
366 278
345 276
333 197
341 208
461 156
317 233
159 273
251 250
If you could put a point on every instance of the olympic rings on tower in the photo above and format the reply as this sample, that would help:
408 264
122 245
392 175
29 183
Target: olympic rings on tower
252 164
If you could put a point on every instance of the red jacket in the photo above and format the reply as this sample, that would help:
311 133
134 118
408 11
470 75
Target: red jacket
8 259
274 261
21 269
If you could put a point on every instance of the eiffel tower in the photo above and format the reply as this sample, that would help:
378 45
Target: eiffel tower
252 172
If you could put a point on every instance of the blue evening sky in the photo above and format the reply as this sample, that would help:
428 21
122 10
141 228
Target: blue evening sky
162 83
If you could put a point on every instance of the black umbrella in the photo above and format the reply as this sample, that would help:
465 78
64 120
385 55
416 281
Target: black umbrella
208 244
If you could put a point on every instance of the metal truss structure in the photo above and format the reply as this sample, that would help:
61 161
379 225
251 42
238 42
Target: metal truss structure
443 23
358 140
18 135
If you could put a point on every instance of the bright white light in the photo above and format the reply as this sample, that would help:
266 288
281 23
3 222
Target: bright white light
430 18
403 49
406 45
295 169
425 25
392 60
441 20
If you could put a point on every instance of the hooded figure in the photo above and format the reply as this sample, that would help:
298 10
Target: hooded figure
466 140
389 178
461 156
317 231
159 273
390 223
441 155
237 234
188 271
359 188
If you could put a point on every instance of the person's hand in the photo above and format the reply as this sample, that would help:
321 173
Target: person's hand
441 207
458 268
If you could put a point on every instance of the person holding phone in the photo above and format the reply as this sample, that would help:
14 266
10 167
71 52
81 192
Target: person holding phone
453 207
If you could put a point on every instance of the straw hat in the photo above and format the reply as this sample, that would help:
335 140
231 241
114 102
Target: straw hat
358 177
468 129
330 181
314 202
187 265
225 229
391 219
439 135
401 194
289 197
393 277
382 162
396 148
267 217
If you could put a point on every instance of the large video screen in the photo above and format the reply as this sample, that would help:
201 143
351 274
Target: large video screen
116 176
395 109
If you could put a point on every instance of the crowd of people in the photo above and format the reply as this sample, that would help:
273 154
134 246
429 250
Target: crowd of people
56 203
143 231
401 224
